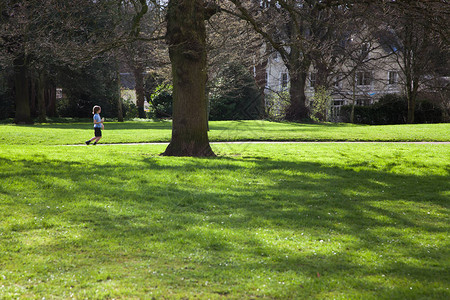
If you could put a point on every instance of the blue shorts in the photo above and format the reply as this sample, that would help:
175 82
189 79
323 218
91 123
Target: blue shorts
98 132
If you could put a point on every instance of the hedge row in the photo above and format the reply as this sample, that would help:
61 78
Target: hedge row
393 109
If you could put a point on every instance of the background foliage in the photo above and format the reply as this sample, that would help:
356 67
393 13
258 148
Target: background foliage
95 84
393 109
6 95
161 101
234 95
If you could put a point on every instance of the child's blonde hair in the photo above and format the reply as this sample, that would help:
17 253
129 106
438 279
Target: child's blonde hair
95 109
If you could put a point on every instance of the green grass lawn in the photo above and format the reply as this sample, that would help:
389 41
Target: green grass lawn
136 132
281 221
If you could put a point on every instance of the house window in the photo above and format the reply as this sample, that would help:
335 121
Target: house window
337 82
363 102
393 77
338 103
336 109
364 78
284 80
365 48
312 79
275 56
59 93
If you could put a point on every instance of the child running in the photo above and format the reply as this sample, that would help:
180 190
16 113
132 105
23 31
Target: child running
98 125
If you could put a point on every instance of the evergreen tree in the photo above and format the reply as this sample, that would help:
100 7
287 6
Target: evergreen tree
235 95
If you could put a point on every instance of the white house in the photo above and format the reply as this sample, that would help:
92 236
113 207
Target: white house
362 83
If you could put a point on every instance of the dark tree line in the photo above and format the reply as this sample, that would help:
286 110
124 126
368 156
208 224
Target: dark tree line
38 39
49 42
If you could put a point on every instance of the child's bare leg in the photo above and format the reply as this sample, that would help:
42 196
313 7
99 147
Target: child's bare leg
90 140
97 139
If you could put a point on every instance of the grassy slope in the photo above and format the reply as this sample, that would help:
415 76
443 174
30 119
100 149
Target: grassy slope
128 132
315 221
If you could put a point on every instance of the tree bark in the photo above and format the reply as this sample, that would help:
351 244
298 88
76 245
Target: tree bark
352 114
409 67
41 97
23 115
119 100
51 100
186 37
32 94
297 109
139 87
298 72
260 78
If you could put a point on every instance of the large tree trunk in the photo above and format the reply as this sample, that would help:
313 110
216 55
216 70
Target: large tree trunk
32 94
51 100
119 99
298 72
409 68
411 110
352 114
411 98
139 87
22 115
297 109
41 98
186 36
260 78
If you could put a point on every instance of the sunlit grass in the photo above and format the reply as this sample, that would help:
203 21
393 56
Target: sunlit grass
291 221
138 132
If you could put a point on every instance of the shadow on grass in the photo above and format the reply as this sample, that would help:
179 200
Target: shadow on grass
281 217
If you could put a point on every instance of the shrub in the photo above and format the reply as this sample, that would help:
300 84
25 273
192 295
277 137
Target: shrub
151 83
321 105
390 109
84 87
129 109
363 114
161 101
276 105
235 95
393 109
428 112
